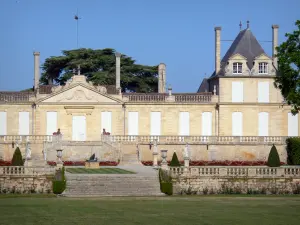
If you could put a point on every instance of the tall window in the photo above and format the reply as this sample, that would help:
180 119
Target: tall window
237 68
263 68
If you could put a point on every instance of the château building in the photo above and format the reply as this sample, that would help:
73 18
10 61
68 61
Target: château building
236 108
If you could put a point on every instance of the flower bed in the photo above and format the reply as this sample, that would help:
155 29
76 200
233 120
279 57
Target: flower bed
5 163
82 163
217 163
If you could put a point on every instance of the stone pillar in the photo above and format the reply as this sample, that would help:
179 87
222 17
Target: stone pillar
186 164
274 44
118 71
162 78
155 154
36 70
217 49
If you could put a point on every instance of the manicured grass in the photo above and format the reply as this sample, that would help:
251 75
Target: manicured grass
148 211
99 171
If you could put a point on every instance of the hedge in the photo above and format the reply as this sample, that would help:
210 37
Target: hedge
59 181
17 158
273 159
165 181
293 151
175 161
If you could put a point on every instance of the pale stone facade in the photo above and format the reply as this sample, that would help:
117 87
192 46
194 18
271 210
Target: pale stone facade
209 113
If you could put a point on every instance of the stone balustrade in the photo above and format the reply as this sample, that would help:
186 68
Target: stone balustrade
211 140
237 171
26 138
25 171
179 97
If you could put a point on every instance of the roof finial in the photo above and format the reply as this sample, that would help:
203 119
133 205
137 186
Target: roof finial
78 70
240 25
248 24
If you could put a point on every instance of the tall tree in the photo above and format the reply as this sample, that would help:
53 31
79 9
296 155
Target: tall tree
99 67
288 74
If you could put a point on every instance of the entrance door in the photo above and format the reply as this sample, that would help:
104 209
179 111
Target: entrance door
79 128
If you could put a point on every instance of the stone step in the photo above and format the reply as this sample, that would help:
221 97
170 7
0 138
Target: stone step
112 185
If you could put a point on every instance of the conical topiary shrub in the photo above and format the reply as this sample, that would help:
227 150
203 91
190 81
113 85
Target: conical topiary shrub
174 161
273 159
17 158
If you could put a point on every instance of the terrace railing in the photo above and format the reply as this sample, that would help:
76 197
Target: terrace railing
243 140
236 171
25 171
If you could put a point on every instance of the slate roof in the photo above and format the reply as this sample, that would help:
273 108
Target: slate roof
204 86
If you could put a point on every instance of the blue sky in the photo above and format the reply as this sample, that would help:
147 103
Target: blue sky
179 33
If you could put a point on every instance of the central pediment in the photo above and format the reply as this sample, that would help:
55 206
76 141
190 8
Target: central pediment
79 94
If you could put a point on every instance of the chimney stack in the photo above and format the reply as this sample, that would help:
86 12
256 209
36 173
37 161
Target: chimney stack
217 49
274 44
162 78
118 71
36 70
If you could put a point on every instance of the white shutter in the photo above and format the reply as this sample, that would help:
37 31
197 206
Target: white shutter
3 123
237 124
184 123
263 91
106 122
237 91
206 123
51 122
263 124
133 123
155 123
79 128
293 125
23 123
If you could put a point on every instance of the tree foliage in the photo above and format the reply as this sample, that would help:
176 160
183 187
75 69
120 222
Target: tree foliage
273 159
175 161
99 67
288 74
17 158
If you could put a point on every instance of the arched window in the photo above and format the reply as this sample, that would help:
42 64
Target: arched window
237 68
263 68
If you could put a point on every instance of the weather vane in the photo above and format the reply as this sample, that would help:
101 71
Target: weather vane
240 25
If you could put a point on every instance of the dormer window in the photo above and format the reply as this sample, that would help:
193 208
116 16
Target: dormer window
237 68
263 68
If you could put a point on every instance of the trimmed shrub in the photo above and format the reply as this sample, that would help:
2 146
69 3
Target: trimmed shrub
174 161
17 158
273 159
293 151
165 181
59 182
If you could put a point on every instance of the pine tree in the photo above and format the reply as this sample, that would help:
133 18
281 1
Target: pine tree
273 159
17 158
174 161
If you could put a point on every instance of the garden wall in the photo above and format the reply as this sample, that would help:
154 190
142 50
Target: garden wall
235 180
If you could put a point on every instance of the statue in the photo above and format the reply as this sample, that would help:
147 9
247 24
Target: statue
186 151
28 151
92 158
45 154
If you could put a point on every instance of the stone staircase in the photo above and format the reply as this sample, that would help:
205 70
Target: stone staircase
144 183
130 159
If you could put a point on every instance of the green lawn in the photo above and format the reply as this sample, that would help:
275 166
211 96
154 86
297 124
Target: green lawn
99 171
159 211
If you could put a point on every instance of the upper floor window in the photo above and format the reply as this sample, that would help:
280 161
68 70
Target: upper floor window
263 68
237 68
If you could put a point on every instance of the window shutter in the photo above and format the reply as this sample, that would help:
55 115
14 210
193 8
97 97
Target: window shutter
51 122
23 123
155 123
106 122
293 124
184 123
237 90
263 92
263 124
237 124
206 123
133 123
3 123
